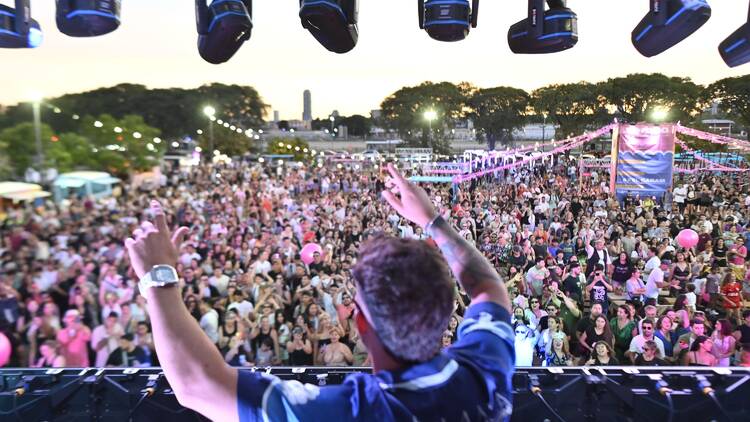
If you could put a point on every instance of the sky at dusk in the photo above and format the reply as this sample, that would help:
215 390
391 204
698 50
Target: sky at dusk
156 46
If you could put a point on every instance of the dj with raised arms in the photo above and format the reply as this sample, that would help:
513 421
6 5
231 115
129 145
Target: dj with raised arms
404 299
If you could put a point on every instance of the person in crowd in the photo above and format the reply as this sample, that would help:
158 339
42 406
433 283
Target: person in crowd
558 353
638 342
73 340
623 330
700 353
597 332
50 356
724 343
128 354
603 355
336 353
105 338
650 355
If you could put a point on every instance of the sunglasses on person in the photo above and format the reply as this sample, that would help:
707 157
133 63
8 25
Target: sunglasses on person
647 328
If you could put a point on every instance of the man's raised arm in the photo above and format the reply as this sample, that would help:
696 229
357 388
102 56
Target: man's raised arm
195 369
471 268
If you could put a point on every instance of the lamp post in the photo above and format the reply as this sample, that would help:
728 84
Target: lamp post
210 112
333 119
430 115
36 101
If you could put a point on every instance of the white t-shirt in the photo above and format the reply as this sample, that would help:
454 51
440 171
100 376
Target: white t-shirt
210 325
652 285
99 334
636 345
680 194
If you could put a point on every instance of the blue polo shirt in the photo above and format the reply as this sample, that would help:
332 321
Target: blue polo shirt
471 381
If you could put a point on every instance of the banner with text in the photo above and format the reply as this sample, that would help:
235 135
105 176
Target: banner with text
645 159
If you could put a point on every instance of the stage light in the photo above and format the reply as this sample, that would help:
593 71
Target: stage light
17 28
222 28
542 32
667 23
87 18
735 50
332 22
448 20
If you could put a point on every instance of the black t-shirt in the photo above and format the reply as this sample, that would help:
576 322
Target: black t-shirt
639 361
621 272
599 294
120 357
571 287
744 334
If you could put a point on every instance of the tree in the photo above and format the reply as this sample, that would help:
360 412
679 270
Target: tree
734 95
20 146
134 148
357 125
290 146
404 111
177 112
637 96
572 107
496 112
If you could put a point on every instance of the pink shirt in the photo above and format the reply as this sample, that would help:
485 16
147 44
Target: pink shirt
75 348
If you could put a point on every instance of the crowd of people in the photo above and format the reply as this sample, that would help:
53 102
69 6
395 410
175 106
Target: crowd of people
593 281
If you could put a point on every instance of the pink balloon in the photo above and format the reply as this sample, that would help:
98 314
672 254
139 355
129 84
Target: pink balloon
5 350
687 238
307 252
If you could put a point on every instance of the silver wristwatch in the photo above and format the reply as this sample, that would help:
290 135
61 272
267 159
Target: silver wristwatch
159 276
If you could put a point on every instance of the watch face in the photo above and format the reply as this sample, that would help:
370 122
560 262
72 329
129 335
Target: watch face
164 273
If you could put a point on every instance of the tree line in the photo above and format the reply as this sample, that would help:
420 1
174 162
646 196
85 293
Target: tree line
575 107
72 140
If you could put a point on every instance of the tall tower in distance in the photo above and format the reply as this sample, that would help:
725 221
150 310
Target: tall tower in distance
307 106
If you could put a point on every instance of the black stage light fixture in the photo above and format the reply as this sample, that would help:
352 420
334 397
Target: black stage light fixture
667 23
332 22
544 31
448 20
222 28
87 18
17 28
735 50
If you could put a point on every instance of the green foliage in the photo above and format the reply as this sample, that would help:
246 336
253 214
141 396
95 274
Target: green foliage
357 125
404 111
20 145
636 97
86 147
573 107
734 95
290 146
496 112
177 112
228 142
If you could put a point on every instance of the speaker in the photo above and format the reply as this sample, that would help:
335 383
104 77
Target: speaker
17 28
448 20
332 22
222 28
87 18
544 31
667 23
735 50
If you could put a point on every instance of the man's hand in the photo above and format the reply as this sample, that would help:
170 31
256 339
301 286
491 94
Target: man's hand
154 244
412 202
